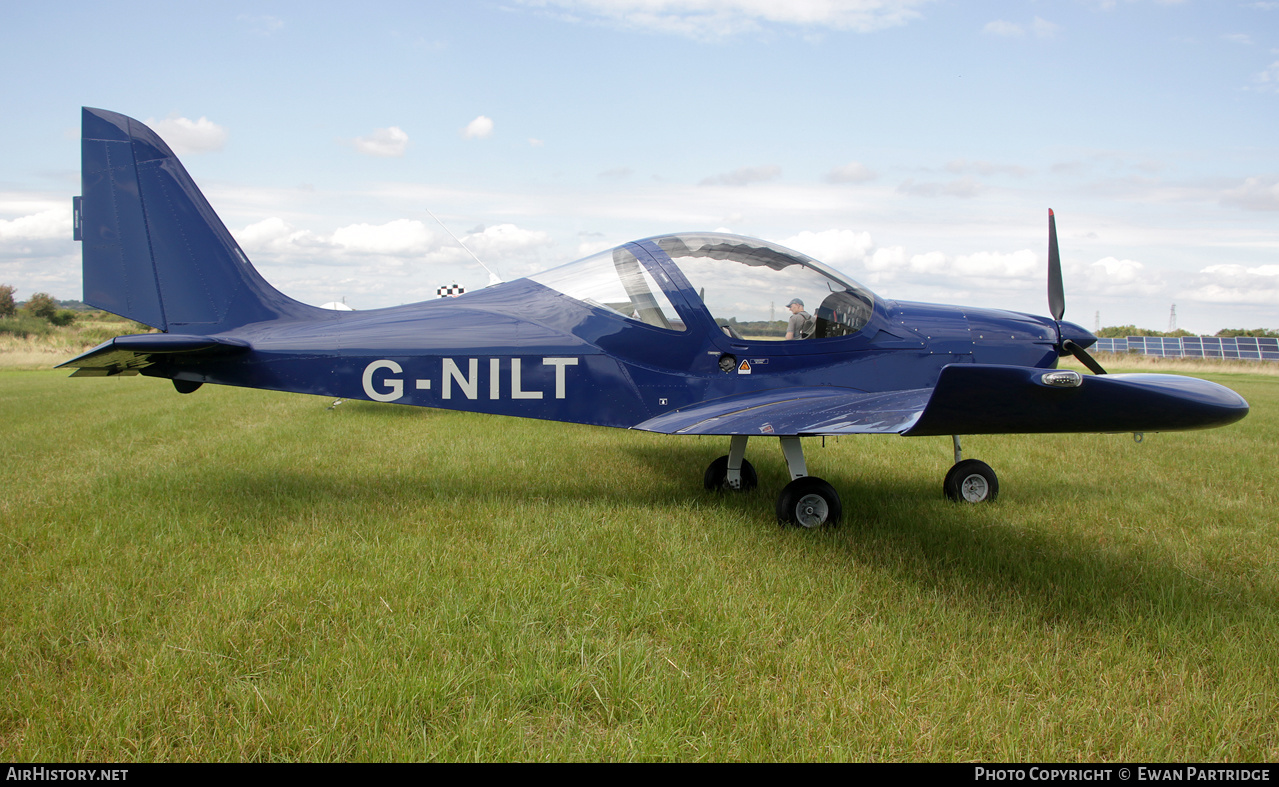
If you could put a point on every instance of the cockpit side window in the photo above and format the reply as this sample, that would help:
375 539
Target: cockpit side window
749 285
616 281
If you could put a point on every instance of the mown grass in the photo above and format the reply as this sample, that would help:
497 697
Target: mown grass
244 575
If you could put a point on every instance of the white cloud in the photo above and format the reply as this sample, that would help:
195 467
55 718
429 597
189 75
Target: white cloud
852 172
985 168
1022 264
36 250
721 18
1041 27
963 188
261 25
932 263
1268 81
505 239
1111 276
402 260
1109 5
480 128
616 174
1004 29
49 224
1254 194
838 248
856 253
384 142
886 259
399 238
1236 284
187 136
276 236
593 245
744 176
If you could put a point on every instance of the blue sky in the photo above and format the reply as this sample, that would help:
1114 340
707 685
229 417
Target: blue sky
915 145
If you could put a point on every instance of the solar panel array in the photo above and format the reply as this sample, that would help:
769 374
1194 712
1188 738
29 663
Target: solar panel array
1240 347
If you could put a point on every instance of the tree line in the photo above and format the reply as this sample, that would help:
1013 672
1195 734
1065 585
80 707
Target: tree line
1124 331
41 306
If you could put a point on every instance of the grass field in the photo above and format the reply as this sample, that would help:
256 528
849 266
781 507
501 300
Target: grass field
244 575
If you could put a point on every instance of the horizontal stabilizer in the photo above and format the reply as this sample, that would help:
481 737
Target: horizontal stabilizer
985 399
812 410
129 354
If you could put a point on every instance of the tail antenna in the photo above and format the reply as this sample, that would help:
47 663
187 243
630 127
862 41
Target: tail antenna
493 277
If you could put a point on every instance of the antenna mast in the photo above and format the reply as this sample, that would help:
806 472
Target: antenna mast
493 277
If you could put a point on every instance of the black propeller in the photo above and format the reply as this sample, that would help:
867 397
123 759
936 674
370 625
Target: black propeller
1057 301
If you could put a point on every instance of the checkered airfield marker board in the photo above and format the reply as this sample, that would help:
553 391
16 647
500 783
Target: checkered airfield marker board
450 291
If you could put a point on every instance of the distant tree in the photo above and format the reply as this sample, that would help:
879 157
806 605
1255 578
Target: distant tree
41 305
7 307
1124 331
1258 332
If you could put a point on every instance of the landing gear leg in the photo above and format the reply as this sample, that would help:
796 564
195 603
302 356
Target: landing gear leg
970 480
732 473
806 501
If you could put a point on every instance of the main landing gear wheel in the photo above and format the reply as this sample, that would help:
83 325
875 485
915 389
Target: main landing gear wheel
971 481
716 478
809 503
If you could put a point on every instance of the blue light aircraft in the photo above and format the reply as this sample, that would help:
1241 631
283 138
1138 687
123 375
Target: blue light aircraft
678 334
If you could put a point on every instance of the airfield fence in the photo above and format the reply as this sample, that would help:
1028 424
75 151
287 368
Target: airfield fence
1247 348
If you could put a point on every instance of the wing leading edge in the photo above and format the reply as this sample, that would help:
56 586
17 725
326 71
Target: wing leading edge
969 399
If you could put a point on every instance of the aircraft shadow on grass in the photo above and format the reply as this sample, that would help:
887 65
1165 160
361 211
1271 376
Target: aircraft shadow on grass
676 334
1056 578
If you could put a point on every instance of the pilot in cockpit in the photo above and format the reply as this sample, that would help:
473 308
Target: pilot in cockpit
801 323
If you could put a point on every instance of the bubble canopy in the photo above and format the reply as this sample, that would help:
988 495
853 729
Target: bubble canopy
745 284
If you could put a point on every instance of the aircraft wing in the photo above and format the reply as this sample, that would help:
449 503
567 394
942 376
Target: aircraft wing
811 410
969 399
128 354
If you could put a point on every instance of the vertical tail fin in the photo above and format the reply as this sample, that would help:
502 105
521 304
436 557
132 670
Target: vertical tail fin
154 250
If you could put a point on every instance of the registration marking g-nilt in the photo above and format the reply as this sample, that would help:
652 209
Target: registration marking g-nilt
464 378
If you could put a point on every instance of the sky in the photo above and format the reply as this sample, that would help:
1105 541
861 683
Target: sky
914 145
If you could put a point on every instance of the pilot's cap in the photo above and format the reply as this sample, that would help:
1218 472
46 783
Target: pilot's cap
795 302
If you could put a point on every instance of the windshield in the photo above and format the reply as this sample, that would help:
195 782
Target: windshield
761 291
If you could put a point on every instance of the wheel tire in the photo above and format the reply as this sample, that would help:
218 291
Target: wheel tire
716 478
971 481
809 503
